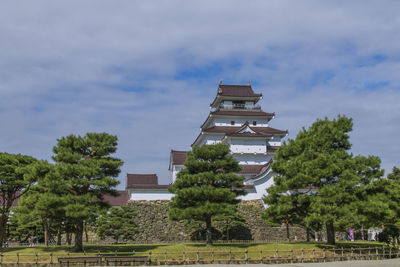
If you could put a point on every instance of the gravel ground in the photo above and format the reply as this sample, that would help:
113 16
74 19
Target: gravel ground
385 263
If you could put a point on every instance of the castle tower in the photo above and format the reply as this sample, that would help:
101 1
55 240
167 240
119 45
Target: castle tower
237 120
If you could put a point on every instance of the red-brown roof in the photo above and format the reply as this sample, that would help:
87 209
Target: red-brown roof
15 202
149 186
119 200
242 113
251 168
272 148
178 157
249 187
236 90
134 179
229 130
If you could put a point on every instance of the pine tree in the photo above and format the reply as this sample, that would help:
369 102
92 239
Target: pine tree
319 158
382 206
88 173
207 187
45 201
15 180
117 223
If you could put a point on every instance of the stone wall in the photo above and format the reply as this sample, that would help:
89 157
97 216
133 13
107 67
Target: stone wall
154 225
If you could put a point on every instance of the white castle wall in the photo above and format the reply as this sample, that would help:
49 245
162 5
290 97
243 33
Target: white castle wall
150 195
252 159
239 122
275 141
175 170
248 146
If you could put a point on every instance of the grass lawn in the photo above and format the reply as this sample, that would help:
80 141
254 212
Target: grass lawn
174 251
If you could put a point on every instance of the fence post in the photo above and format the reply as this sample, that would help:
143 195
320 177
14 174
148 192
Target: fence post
261 256
390 252
361 257
37 258
184 257
302 255
383 252
1 258
17 258
51 257
197 255
230 255
369 253
351 255
342 258
313 254
324 254
165 257
149 257
212 255
376 250
291 255
245 255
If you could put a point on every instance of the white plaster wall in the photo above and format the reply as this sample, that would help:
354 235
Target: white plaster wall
239 122
248 146
275 141
252 159
175 170
151 195
263 184
211 139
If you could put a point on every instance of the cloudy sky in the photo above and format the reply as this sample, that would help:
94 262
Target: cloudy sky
147 71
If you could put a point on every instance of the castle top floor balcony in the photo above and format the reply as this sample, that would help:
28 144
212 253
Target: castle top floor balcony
238 106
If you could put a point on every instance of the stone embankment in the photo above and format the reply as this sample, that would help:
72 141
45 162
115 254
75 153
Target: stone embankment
154 225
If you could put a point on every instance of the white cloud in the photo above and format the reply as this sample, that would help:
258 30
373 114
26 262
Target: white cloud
74 67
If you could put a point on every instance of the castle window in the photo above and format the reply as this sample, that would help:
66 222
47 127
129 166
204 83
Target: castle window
232 122
254 123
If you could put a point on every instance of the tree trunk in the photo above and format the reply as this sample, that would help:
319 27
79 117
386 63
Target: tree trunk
59 237
78 237
86 233
330 231
208 232
308 234
68 238
46 232
287 231
3 226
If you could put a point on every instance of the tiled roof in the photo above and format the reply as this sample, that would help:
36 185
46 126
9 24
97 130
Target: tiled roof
178 157
15 202
119 200
229 130
251 168
272 148
149 186
242 113
249 187
236 90
134 179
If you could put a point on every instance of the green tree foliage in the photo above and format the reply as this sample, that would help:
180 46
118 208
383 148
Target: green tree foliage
382 206
88 172
207 187
22 227
117 223
45 201
319 158
15 180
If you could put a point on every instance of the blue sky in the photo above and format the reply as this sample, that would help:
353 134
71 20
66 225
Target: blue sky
147 71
